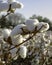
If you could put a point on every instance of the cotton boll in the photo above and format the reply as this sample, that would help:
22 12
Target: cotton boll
15 34
6 33
31 24
46 37
23 52
40 25
17 30
17 39
17 5
44 28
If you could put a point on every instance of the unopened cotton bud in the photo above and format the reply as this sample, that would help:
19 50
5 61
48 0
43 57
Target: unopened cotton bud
23 52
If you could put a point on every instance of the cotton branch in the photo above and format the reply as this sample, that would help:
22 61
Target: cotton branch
34 33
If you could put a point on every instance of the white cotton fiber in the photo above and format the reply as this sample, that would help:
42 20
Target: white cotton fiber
23 51
31 24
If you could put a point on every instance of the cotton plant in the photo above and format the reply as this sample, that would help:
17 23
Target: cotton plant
22 28
19 29
41 47
27 40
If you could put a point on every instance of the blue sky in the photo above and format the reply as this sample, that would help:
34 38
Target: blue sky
38 7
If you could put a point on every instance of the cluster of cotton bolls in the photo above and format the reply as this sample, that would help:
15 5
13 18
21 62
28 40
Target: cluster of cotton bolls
43 46
36 49
4 4
21 32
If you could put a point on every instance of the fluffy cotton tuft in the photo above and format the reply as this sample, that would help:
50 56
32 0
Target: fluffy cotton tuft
17 4
6 33
4 5
17 30
17 39
44 28
31 24
23 52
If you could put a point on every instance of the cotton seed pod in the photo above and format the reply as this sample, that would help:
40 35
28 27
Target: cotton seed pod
23 52
44 28
31 24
